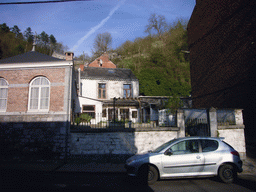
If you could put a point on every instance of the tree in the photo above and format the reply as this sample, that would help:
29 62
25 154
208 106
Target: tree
53 42
159 61
156 23
15 29
102 43
44 37
4 28
60 48
28 34
84 57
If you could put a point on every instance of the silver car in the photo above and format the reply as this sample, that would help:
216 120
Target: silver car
187 157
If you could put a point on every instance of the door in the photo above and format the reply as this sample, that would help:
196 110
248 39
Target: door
185 160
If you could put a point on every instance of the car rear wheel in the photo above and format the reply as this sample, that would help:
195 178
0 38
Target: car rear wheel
227 173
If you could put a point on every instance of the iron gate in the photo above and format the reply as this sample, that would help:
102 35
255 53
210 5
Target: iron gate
197 127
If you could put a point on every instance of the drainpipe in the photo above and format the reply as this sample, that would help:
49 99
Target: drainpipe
70 77
79 81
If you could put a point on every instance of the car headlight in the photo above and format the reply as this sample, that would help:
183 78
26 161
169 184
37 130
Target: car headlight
130 161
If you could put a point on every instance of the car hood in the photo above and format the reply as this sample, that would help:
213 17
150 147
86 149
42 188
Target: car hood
142 156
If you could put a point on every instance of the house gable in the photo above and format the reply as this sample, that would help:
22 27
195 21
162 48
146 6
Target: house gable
102 62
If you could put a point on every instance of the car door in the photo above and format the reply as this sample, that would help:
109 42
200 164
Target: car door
211 155
185 159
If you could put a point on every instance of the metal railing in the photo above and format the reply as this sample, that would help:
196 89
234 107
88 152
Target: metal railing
125 121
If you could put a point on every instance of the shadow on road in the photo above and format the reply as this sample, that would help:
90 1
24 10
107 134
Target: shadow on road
247 182
12 180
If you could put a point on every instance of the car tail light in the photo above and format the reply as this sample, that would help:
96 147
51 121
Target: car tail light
235 153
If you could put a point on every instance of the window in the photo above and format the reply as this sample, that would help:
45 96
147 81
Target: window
104 113
127 90
124 113
39 94
112 115
185 147
134 114
3 94
89 109
209 145
102 91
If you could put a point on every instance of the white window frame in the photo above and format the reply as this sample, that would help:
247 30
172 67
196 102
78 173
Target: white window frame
40 86
5 87
125 90
101 90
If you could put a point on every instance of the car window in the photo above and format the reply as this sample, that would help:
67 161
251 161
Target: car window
209 145
160 148
185 147
228 144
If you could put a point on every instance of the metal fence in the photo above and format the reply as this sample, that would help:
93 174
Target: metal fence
197 127
125 120
226 117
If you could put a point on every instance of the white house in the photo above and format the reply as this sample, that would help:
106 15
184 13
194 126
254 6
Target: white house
101 90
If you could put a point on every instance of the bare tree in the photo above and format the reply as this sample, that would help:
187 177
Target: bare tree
156 23
102 43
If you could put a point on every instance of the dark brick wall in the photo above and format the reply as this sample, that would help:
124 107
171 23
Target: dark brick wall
222 53
222 40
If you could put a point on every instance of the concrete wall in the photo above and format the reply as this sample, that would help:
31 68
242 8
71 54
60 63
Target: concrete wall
234 137
234 134
119 142
131 141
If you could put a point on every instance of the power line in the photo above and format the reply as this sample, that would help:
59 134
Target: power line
37 2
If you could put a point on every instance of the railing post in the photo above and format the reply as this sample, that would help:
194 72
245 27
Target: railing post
239 116
212 120
181 122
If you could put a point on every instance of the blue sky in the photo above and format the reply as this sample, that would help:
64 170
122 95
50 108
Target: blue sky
76 24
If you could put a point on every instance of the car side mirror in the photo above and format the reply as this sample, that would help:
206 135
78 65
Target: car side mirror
168 152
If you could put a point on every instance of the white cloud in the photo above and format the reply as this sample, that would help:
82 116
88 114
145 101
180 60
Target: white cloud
94 29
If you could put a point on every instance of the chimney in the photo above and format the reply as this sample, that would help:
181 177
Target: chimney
69 56
81 67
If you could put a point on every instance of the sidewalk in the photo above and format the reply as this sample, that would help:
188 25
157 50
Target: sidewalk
97 165
89 163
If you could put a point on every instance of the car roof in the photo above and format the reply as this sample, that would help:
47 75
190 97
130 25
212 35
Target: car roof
200 137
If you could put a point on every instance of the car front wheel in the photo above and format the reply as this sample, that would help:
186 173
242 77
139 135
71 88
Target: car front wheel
152 175
227 173
148 174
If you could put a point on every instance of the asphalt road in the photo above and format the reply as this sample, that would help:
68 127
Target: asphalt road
27 181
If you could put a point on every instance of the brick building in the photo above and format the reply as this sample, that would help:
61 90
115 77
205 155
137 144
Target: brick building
221 37
103 62
35 103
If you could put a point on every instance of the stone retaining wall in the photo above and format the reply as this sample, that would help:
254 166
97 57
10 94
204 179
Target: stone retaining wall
32 140
137 141
234 135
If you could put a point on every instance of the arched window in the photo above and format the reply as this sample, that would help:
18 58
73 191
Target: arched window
3 94
39 94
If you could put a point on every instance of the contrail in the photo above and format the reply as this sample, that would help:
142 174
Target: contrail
92 30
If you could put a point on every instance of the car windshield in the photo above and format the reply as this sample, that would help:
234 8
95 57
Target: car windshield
160 148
